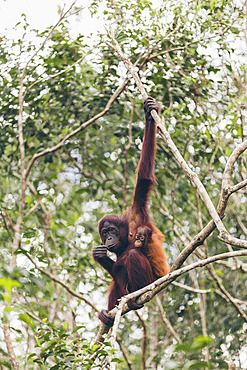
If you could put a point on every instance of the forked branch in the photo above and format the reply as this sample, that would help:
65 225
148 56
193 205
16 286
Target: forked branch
148 292
223 233
145 294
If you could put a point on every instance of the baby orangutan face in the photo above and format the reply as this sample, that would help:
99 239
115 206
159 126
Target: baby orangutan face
143 236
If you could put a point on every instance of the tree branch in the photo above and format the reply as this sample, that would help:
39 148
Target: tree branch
23 173
148 292
75 132
125 355
55 279
194 290
52 76
225 292
62 16
144 339
223 234
10 348
167 323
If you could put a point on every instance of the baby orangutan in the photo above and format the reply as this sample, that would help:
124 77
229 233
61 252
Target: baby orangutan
149 241
143 237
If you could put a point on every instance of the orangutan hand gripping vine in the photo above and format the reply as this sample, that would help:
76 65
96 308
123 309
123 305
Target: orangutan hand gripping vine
134 267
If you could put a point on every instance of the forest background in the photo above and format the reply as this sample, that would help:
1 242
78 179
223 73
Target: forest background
71 123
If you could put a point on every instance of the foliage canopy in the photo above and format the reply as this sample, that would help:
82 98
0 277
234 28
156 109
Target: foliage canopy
191 58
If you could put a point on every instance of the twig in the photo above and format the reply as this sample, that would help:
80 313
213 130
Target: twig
75 132
10 221
117 321
113 338
127 147
23 173
63 16
54 278
166 321
239 301
31 210
211 160
52 76
201 291
238 186
225 292
36 318
10 348
202 307
240 223
223 234
125 355
144 339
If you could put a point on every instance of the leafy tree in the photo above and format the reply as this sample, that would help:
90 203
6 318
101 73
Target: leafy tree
71 129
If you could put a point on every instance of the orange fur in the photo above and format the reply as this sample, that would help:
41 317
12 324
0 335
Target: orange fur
154 251
156 255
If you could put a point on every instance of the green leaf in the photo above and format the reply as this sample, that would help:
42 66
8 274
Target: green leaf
200 342
195 364
9 283
186 347
27 319
78 328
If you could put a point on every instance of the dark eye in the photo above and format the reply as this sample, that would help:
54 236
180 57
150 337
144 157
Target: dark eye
142 238
112 230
